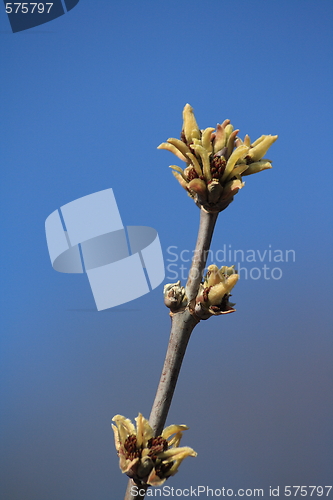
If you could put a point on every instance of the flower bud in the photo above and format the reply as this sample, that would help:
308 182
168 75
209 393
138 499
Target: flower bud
174 296
220 136
218 291
214 292
173 149
257 166
228 131
190 126
231 142
238 154
214 275
206 139
258 151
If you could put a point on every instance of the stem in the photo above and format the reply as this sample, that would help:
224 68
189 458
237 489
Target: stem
181 329
182 325
205 233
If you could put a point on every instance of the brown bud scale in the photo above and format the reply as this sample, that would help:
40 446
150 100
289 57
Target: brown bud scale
205 293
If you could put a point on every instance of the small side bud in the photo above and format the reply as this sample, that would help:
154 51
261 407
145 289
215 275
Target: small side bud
174 296
214 292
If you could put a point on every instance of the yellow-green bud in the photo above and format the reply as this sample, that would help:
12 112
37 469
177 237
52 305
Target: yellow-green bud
190 126
258 151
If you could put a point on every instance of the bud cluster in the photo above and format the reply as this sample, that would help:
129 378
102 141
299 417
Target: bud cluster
214 292
216 159
147 459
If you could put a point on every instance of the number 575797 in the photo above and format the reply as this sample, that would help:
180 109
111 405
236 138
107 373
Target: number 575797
28 7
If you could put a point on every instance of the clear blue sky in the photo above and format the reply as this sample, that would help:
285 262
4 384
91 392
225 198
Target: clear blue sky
85 101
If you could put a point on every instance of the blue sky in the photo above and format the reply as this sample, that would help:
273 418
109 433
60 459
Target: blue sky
86 99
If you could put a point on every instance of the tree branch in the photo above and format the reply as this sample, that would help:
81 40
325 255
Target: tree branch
182 326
